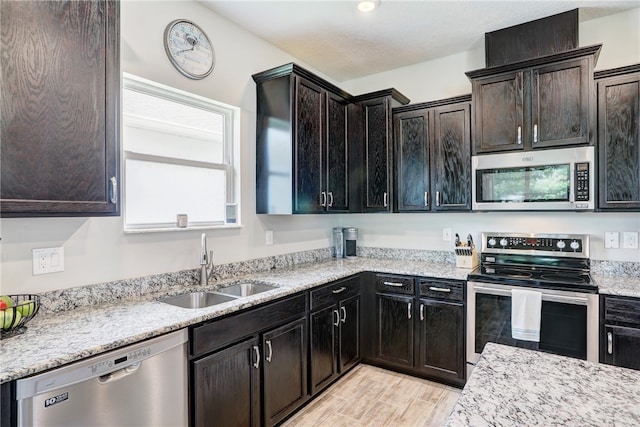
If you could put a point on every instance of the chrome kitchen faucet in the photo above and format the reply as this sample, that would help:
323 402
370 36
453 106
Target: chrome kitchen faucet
206 261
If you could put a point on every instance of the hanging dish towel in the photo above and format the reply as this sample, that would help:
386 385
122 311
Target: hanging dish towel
526 307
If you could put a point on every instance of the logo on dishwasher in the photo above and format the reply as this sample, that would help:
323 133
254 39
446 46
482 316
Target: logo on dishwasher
56 399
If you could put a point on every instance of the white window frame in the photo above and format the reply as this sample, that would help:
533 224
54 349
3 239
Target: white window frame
231 153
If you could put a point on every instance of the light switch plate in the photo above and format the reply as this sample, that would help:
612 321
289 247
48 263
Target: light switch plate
611 240
269 237
48 260
446 234
630 240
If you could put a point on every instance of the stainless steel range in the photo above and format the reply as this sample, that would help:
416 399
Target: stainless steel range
557 266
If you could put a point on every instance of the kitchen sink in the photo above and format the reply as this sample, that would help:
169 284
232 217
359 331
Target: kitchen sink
197 299
245 289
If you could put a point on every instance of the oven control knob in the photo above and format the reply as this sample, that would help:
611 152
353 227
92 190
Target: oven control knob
492 242
574 245
503 242
561 244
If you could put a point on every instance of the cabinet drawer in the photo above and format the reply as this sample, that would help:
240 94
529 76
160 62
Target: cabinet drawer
441 289
220 333
394 284
337 291
622 310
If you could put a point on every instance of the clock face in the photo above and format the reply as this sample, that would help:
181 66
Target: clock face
189 49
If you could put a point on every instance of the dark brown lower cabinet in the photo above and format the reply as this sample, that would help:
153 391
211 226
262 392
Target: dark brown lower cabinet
394 329
227 387
620 331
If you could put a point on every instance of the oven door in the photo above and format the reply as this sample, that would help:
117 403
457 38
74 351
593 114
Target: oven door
568 324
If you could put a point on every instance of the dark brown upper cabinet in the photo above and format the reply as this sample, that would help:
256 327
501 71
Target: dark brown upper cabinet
60 89
302 157
377 139
433 155
544 102
619 138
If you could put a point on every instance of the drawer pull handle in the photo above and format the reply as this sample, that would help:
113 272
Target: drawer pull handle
256 364
609 343
344 314
409 311
426 198
337 317
421 312
535 133
385 197
330 203
323 199
519 135
339 290
394 284
270 351
113 198
436 289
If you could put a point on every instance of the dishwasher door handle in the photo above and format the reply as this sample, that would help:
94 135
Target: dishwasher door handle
119 374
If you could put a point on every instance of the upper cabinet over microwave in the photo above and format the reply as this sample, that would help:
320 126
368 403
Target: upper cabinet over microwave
544 102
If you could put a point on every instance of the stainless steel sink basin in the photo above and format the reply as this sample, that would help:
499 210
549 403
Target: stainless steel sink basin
197 299
245 289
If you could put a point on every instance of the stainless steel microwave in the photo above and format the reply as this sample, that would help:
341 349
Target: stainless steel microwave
557 179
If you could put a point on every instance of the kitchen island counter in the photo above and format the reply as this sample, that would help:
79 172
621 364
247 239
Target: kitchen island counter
516 387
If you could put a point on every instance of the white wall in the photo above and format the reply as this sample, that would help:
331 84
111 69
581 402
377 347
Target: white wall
96 249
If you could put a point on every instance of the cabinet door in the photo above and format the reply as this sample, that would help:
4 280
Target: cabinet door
226 387
309 143
619 142
324 366
451 162
441 342
561 103
622 346
411 132
498 113
59 107
337 175
349 332
285 370
378 154
394 329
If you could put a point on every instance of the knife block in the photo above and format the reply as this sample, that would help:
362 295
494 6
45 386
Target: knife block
466 258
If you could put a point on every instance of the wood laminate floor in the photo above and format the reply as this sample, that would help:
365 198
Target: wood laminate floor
372 397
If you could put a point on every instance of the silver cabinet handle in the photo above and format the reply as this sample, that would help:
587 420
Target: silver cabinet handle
609 343
519 135
421 312
436 289
337 317
323 197
409 311
535 133
426 198
394 284
385 198
270 351
330 199
344 314
114 190
256 364
437 198
339 290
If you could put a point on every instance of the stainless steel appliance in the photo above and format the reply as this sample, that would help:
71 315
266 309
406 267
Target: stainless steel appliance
144 384
559 179
338 243
350 242
558 266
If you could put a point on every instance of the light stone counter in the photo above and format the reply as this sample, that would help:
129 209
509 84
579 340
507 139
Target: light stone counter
618 285
516 387
55 338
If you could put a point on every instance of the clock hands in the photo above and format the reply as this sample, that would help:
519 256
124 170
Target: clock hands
190 39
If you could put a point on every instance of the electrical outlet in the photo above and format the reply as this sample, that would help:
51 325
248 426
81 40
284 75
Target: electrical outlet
269 237
446 234
630 240
48 260
611 240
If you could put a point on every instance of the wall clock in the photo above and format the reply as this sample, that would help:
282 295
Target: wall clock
189 49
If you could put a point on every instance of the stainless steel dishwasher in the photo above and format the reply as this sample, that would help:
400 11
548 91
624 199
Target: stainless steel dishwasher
144 384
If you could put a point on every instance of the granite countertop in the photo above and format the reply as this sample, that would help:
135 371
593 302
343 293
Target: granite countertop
618 285
53 339
516 387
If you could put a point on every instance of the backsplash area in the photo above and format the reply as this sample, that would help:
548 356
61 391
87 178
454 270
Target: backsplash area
159 284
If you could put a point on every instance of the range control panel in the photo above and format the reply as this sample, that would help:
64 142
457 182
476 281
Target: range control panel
576 245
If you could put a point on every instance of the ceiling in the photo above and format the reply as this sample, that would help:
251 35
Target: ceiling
344 44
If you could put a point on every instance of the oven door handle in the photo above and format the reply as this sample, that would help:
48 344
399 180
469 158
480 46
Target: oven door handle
575 300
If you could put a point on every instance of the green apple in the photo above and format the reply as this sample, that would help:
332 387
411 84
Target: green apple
7 318
7 299
26 308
